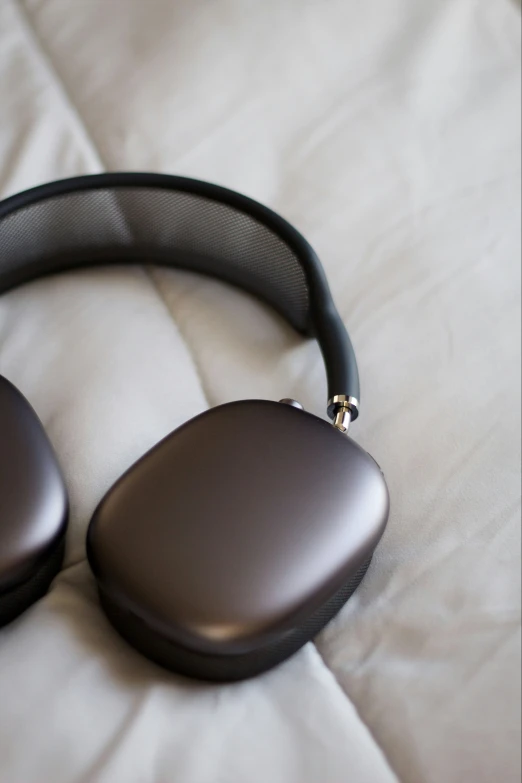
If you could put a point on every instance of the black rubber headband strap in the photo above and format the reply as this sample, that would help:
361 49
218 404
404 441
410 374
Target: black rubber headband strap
324 322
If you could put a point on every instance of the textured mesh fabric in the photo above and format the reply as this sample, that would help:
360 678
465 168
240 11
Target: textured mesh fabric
174 221
153 225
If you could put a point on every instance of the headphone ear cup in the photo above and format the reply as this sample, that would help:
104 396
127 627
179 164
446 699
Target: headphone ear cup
232 542
33 506
14 602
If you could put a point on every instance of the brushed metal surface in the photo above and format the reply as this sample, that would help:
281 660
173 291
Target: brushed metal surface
238 525
33 499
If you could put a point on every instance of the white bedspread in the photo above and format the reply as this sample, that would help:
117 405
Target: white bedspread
388 132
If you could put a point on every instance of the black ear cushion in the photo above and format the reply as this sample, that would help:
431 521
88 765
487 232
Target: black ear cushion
15 601
225 668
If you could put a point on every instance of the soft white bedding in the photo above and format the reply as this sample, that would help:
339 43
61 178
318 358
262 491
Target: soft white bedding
389 133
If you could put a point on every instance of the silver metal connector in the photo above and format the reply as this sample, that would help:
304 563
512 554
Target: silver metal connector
343 418
342 401
343 410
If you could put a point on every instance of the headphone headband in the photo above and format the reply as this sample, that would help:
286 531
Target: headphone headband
243 482
184 223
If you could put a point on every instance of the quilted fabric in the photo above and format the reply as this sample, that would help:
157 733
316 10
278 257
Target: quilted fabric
388 132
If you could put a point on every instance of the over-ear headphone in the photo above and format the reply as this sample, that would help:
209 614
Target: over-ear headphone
234 540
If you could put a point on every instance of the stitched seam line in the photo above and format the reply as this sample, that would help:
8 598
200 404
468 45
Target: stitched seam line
149 271
58 82
354 705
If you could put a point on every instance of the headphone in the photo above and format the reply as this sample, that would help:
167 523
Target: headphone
240 535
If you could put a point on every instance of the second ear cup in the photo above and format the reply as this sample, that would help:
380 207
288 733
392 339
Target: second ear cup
14 602
33 506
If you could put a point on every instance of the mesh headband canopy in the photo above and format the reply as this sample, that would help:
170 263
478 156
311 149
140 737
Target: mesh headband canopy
178 222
